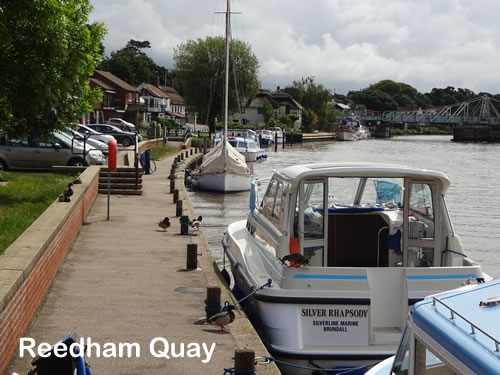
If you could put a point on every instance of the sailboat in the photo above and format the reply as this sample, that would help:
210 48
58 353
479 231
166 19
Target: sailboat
224 169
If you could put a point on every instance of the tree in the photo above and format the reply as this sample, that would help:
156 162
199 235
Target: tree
132 65
200 75
48 52
267 110
314 97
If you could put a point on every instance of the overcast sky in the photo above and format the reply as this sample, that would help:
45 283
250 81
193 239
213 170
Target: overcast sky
345 44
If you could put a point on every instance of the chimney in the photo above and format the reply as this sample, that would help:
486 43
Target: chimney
278 89
158 81
172 84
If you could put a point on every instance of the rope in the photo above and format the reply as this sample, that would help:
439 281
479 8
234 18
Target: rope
231 371
344 370
227 304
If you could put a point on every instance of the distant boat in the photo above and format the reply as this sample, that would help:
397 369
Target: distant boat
266 137
245 141
224 169
278 134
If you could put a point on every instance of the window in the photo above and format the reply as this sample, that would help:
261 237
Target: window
129 96
313 210
268 201
421 213
427 363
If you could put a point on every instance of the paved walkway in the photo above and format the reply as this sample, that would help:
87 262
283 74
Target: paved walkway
124 282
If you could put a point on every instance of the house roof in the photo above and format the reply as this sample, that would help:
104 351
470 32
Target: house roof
103 85
175 97
154 90
275 98
114 79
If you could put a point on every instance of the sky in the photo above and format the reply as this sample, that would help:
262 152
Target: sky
344 44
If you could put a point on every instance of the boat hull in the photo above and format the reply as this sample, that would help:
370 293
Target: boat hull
222 182
347 136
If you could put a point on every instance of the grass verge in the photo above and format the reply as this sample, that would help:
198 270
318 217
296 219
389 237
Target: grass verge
23 199
161 152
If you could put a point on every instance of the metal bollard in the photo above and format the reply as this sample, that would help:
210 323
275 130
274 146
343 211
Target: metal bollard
176 195
244 361
182 156
178 208
196 150
191 151
187 154
172 171
212 303
192 256
172 186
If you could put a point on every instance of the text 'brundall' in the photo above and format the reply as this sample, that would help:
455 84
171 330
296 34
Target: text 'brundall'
159 347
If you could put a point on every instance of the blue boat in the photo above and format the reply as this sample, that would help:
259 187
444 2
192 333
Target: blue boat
456 332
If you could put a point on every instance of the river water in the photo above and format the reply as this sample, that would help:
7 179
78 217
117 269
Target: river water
473 198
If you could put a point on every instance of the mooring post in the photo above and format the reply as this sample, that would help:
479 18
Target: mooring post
178 207
212 303
191 151
176 195
172 185
192 257
244 361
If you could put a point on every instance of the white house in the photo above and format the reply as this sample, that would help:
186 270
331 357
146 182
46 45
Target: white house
282 103
157 101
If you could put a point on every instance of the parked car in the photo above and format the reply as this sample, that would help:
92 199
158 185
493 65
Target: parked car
123 137
87 140
46 152
121 123
85 130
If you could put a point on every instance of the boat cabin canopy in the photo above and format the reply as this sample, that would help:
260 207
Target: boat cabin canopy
360 215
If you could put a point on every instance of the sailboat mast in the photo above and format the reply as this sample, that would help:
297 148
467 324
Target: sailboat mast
226 78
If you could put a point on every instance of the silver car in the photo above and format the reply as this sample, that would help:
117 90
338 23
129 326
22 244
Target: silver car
85 130
87 140
45 152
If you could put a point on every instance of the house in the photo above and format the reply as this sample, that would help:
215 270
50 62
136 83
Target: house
177 108
104 109
125 98
282 103
156 100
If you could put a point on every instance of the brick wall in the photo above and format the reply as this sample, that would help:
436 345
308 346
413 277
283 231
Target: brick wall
20 310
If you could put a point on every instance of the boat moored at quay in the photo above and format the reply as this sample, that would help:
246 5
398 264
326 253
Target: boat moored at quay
456 332
350 248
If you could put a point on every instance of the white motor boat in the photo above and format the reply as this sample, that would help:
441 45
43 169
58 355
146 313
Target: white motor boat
350 248
223 169
245 141
266 137
278 134
351 129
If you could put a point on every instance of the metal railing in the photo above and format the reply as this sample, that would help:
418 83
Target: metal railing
473 327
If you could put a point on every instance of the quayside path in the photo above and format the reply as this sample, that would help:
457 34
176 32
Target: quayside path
124 281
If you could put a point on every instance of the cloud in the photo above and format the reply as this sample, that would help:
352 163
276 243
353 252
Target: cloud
346 45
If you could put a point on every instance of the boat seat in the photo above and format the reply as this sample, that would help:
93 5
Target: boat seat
357 240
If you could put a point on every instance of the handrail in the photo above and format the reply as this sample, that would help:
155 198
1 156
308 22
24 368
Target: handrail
472 325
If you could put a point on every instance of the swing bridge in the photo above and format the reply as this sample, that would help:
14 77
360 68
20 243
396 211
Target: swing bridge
478 111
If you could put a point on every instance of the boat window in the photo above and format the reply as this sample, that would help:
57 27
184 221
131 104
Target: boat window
400 366
420 256
342 191
421 212
427 363
313 210
233 143
268 203
278 201
242 144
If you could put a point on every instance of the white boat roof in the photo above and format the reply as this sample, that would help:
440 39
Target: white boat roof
360 169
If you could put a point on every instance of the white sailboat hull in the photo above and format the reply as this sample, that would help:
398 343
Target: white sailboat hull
222 182
347 136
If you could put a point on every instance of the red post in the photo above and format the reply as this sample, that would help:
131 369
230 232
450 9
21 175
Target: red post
112 156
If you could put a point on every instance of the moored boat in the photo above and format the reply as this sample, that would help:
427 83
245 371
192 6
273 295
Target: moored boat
245 141
349 248
223 169
278 134
452 333
266 137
